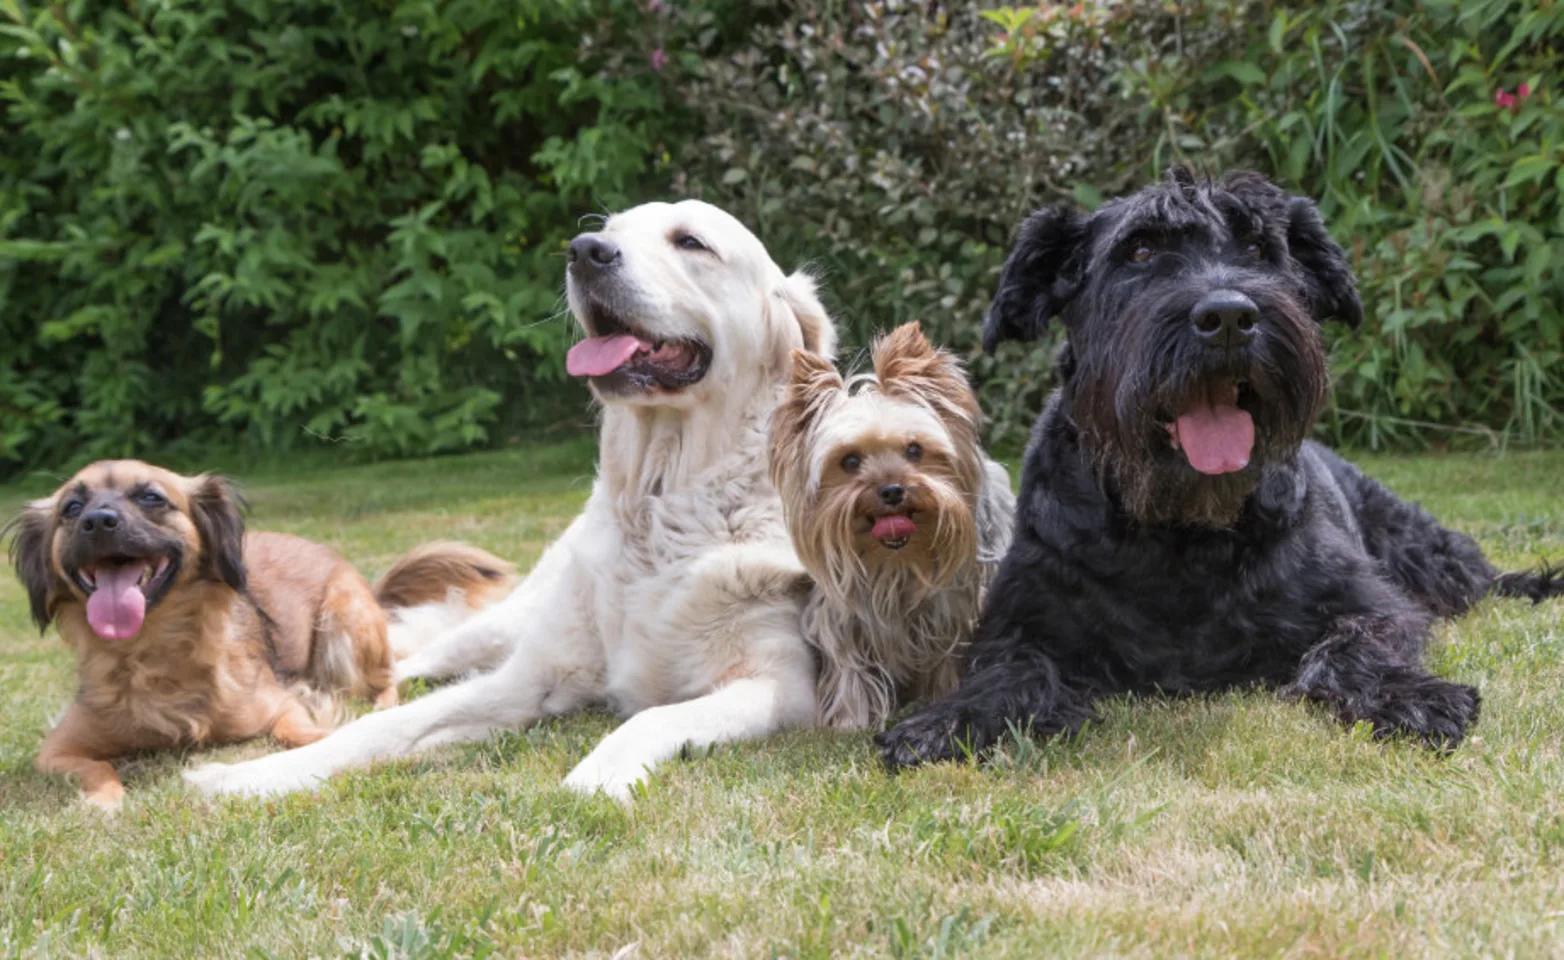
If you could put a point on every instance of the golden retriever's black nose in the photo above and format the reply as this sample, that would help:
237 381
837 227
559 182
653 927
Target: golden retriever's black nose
1225 318
891 494
105 521
591 253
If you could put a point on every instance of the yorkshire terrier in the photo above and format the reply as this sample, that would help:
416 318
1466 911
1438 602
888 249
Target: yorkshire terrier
898 516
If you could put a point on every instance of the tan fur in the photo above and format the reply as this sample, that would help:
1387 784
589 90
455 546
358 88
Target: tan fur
889 621
253 633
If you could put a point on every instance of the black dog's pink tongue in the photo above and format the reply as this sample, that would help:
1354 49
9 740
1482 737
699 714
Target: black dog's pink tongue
895 527
1214 433
117 607
599 356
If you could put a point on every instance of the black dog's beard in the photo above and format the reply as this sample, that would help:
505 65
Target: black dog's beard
1125 392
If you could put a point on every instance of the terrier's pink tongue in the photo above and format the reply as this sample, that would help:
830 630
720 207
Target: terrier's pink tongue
115 610
602 355
894 527
1215 434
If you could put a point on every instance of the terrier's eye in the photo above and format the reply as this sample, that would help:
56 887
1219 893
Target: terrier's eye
72 510
914 452
151 498
686 241
1142 254
852 462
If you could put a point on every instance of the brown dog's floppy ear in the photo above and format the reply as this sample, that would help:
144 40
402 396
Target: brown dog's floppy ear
908 365
29 532
1333 293
218 513
1037 281
811 386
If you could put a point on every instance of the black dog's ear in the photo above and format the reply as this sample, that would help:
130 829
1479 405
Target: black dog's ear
1034 285
218 512
29 532
1333 293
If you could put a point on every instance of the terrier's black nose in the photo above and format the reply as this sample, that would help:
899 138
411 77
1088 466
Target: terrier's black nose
891 494
99 520
1225 318
591 253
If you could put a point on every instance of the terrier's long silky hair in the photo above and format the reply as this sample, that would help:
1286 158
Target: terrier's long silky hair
890 622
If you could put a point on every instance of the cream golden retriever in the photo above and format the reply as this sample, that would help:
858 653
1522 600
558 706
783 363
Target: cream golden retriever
674 598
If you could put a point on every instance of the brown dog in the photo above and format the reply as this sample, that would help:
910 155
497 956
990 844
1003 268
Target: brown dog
188 631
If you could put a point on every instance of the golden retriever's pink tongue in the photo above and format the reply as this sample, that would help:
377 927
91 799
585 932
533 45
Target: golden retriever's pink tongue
115 610
895 527
602 355
1214 433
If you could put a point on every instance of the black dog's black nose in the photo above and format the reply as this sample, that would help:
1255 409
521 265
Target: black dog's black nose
892 494
591 253
96 520
1225 318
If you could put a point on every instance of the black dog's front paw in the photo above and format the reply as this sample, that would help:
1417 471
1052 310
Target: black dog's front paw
926 737
1433 711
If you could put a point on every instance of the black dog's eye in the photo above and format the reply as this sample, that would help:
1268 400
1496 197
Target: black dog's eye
1141 254
151 498
852 462
914 452
1251 250
686 241
72 510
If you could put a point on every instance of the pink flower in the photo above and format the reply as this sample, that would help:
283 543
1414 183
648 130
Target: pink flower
1524 90
659 59
1503 99
655 6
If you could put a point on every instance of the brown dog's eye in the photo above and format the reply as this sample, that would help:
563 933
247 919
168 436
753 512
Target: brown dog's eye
852 462
914 452
72 510
152 498
1142 254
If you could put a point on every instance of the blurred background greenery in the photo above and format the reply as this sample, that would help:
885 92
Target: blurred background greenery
276 226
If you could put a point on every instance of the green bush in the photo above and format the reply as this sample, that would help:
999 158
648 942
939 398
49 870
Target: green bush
900 143
286 219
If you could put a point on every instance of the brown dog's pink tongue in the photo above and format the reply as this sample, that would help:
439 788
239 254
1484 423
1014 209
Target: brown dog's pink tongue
115 610
894 527
602 355
1214 433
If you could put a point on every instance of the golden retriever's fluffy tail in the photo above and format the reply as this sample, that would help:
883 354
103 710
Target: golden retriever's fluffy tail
436 586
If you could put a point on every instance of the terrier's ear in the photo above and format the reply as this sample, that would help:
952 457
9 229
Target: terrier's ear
814 383
30 558
907 365
1036 282
1333 293
218 513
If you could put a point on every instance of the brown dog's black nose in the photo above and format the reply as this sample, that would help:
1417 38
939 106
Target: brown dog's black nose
1225 318
892 494
99 521
592 253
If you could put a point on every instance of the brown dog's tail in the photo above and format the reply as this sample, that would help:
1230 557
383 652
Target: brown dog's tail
436 586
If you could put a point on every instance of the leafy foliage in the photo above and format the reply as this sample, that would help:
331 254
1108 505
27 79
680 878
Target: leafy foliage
920 135
295 217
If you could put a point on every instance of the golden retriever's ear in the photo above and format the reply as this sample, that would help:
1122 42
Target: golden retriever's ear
30 557
909 366
811 387
218 513
799 292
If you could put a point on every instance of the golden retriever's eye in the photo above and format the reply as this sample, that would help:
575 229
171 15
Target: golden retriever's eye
151 498
72 510
1141 254
914 452
686 241
852 462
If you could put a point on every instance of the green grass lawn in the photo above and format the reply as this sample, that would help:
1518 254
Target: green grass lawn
1232 826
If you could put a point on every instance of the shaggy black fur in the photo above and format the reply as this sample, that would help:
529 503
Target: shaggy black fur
1132 572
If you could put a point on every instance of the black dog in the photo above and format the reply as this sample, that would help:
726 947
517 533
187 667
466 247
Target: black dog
1176 532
